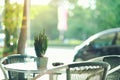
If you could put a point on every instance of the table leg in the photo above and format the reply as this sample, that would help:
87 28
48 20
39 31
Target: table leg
53 76
29 76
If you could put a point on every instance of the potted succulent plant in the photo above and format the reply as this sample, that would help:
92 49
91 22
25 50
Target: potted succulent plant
40 46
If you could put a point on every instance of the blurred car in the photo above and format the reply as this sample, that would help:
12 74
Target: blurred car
106 42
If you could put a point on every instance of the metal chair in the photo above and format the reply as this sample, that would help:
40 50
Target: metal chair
114 61
53 73
78 71
3 72
11 75
87 71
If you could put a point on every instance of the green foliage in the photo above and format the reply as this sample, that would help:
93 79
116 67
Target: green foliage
82 22
12 15
12 19
108 15
40 44
45 18
87 21
1 52
66 43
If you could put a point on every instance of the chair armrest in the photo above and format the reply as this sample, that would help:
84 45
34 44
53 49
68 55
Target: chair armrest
114 69
55 70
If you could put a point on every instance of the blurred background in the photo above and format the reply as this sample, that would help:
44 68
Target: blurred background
67 23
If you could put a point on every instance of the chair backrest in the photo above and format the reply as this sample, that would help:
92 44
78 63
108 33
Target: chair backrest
87 71
114 61
14 59
3 72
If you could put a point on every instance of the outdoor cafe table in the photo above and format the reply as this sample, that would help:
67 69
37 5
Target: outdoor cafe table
31 68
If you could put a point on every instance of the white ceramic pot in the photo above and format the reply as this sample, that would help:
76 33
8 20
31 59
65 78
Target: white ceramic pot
42 62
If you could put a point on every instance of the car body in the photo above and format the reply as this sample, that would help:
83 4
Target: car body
103 43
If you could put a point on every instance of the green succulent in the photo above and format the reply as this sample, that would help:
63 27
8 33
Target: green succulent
40 44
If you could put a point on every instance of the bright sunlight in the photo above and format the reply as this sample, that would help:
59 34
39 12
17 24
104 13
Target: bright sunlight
33 2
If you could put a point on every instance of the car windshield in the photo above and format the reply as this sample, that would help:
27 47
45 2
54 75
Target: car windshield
104 41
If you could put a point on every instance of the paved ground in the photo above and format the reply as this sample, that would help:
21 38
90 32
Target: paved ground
64 55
